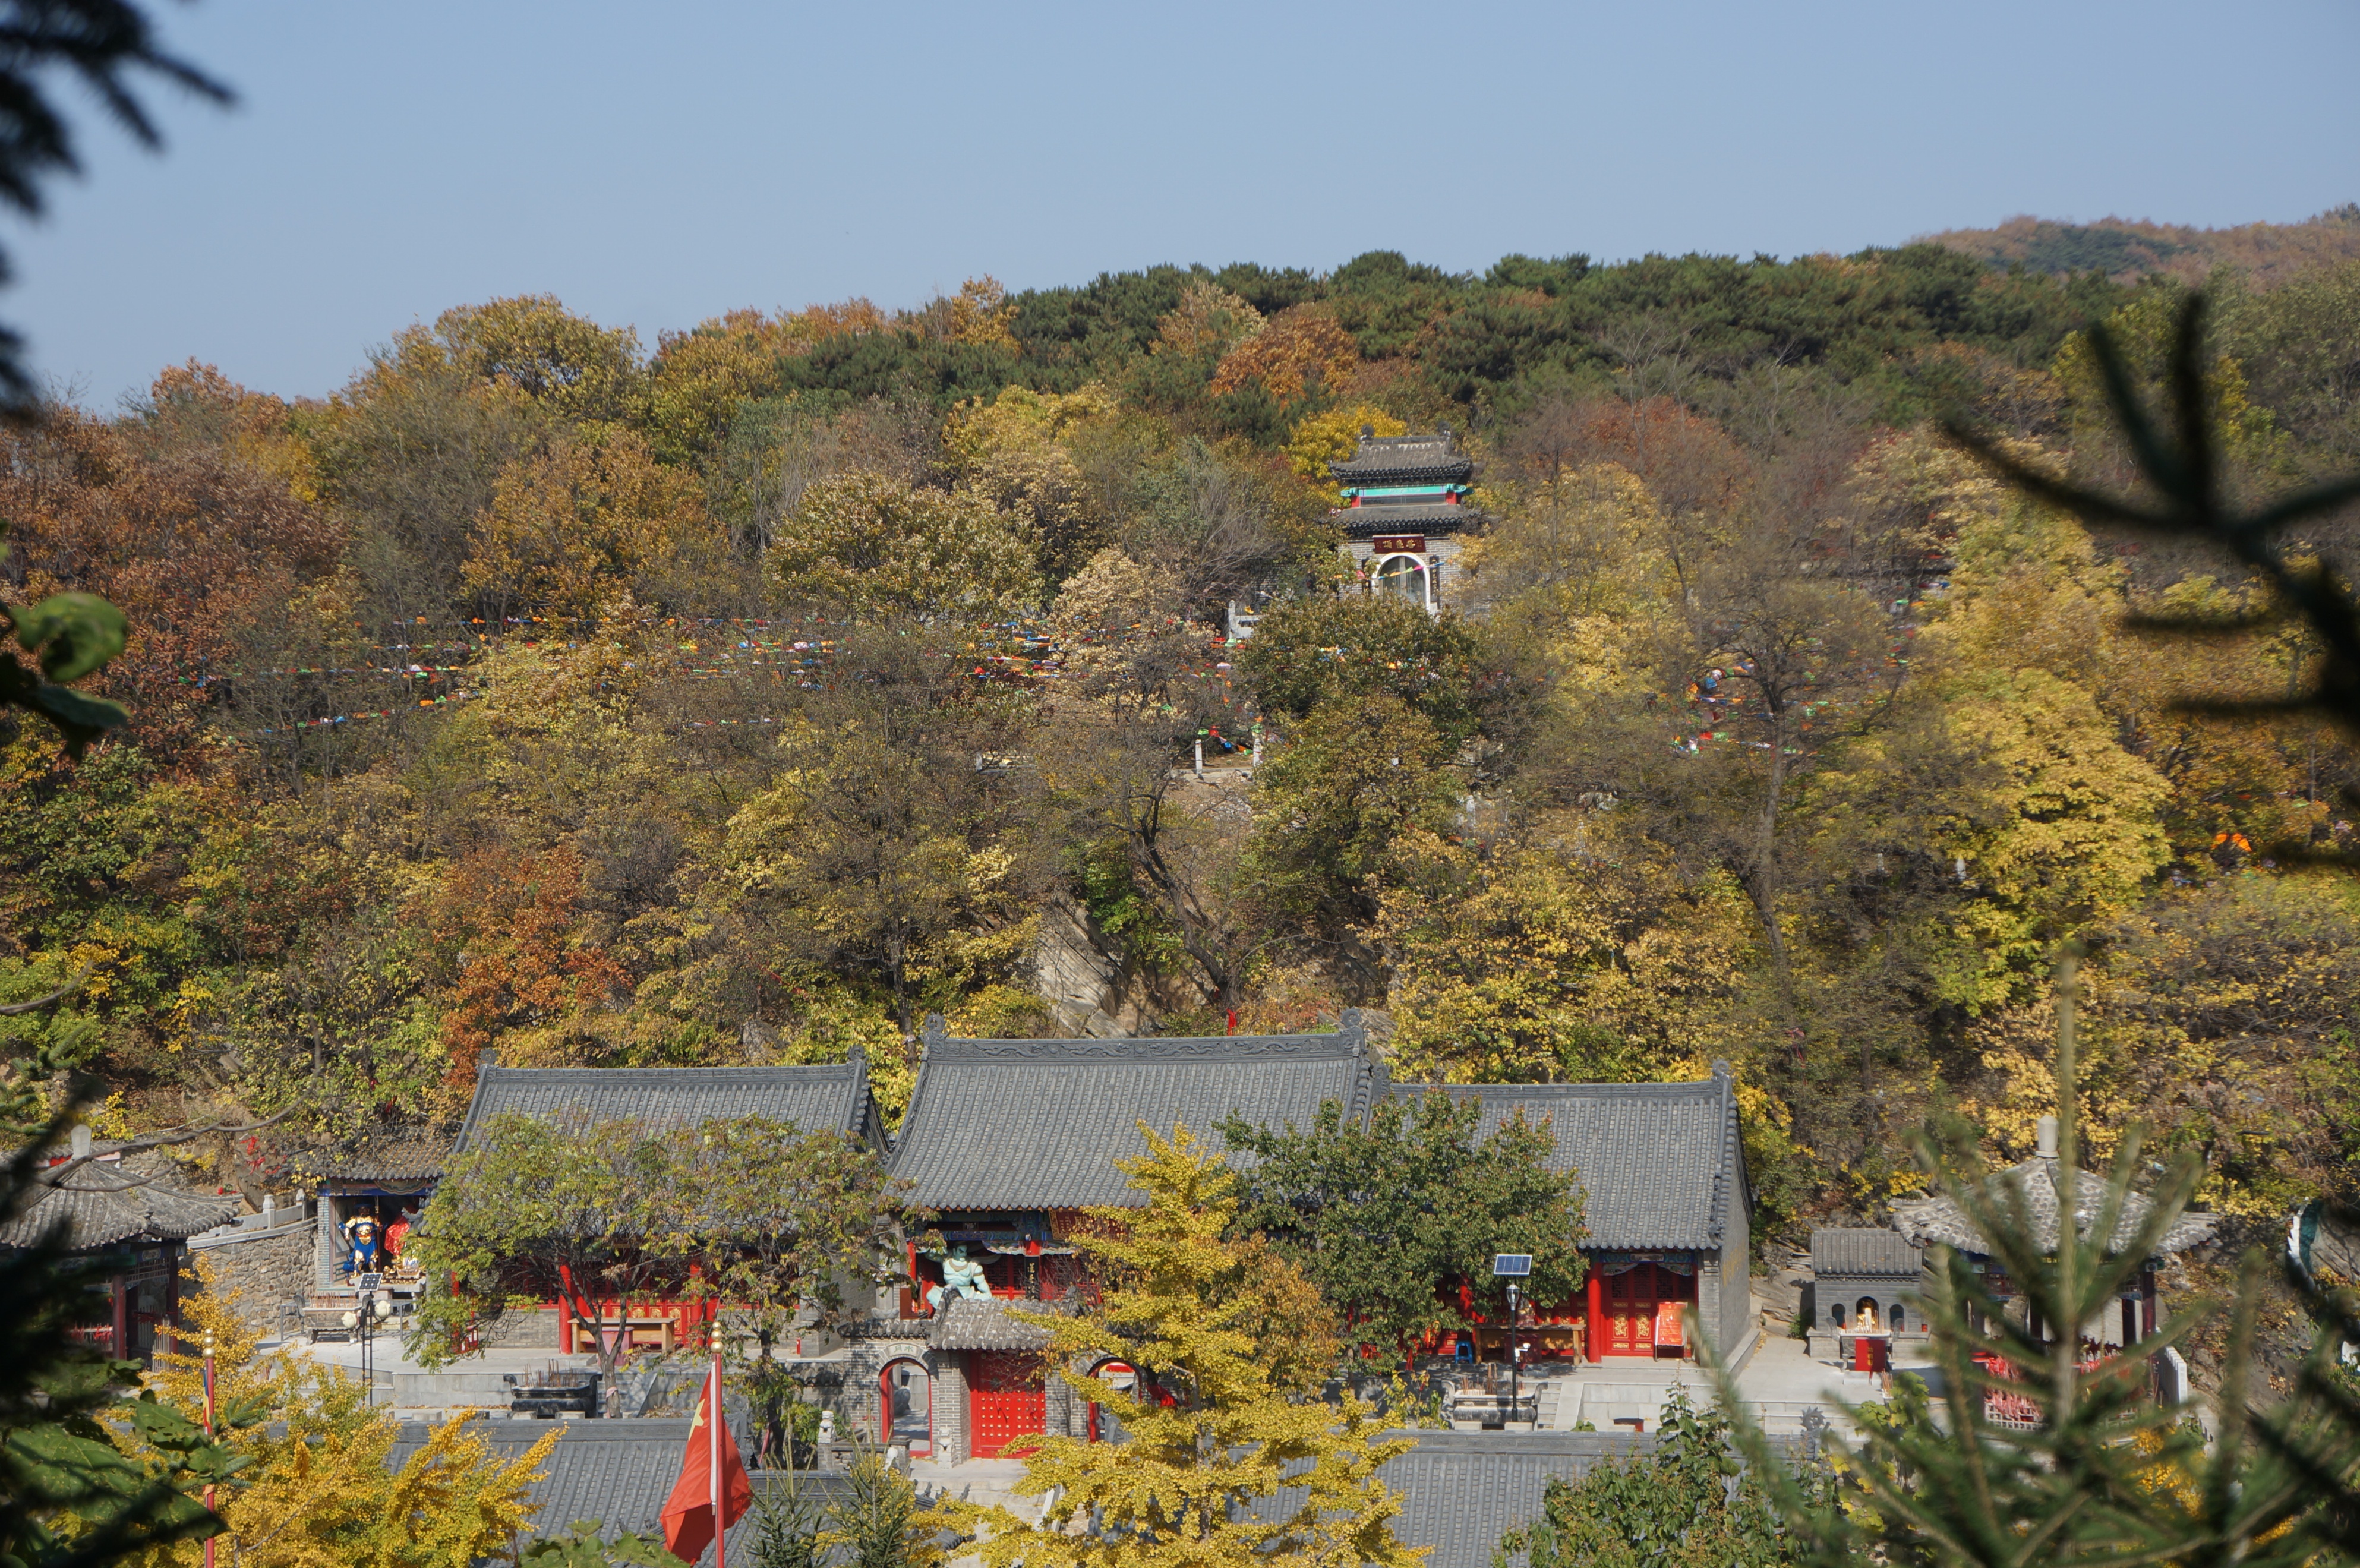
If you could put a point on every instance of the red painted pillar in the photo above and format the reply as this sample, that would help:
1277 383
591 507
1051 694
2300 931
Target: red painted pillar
1597 1330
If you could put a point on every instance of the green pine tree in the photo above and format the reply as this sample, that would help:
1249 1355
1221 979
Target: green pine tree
2098 1473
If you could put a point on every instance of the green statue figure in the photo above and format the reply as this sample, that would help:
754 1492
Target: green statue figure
961 1277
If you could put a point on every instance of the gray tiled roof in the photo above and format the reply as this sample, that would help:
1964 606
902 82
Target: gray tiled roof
965 1323
1403 459
1659 1162
835 1095
619 1473
1461 1491
1941 1219
139 1197
1406 517
390 1154
1039 1124
1863 1253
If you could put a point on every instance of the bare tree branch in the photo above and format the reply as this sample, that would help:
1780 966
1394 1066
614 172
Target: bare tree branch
17 1009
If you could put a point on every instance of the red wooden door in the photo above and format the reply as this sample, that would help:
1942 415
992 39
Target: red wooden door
1631 1311
1005 1401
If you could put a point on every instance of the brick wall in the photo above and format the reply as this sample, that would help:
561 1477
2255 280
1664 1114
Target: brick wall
951 1435
267 1274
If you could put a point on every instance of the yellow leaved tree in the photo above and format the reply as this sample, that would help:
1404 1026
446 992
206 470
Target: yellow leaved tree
1319 440
1201 1480
1569 954
320 1492
1302 349
1017 452
868 542
1207 320
591 518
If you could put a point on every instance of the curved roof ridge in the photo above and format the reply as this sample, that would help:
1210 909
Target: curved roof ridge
1351 1039
675 1074
1148 1047
1678 1088
815 1096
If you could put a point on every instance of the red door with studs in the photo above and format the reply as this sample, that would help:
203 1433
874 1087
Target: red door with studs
1005 1400
1630 1303
1631 1311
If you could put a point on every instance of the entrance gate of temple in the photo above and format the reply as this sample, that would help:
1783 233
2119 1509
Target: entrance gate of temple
1006 1399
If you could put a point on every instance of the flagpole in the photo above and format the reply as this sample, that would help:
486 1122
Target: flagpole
712 1442
209 1433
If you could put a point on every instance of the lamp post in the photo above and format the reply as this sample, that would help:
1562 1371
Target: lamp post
1513 1267
375 1305
1515 1351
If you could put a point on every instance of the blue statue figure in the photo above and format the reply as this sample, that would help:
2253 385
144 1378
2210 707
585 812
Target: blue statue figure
361 1233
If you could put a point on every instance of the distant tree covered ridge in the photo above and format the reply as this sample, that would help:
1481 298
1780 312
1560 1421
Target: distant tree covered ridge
746 695
2127 249
1240 349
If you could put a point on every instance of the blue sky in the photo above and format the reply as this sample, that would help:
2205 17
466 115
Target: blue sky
658 164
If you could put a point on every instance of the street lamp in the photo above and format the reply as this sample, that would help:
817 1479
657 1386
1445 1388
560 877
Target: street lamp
1513 1267
375 1305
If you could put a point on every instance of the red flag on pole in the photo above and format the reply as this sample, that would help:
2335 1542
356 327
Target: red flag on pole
713 1481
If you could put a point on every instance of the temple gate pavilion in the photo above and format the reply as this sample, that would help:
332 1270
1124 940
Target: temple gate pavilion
1406 511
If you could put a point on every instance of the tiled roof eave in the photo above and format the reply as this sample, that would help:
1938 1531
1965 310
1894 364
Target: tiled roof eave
1381 474
98 1209
965 1323
1367 522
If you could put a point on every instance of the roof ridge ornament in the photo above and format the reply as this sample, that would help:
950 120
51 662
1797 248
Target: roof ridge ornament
934 1032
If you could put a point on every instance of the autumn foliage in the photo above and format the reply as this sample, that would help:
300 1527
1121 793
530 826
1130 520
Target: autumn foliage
748 699
508 927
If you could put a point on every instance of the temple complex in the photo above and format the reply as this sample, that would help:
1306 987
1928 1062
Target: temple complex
1405 512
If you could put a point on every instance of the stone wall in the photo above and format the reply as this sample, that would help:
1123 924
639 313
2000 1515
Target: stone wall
525 1328
266 1272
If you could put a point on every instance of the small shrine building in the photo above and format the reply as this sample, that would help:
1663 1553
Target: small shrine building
1405 512
831 1096
1667 1206
2038 1184
1862 1282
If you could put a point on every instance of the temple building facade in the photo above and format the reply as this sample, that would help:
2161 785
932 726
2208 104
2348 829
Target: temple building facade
1007 1143
1405 513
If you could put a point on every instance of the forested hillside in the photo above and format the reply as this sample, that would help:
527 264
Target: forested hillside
747 695
2128 250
